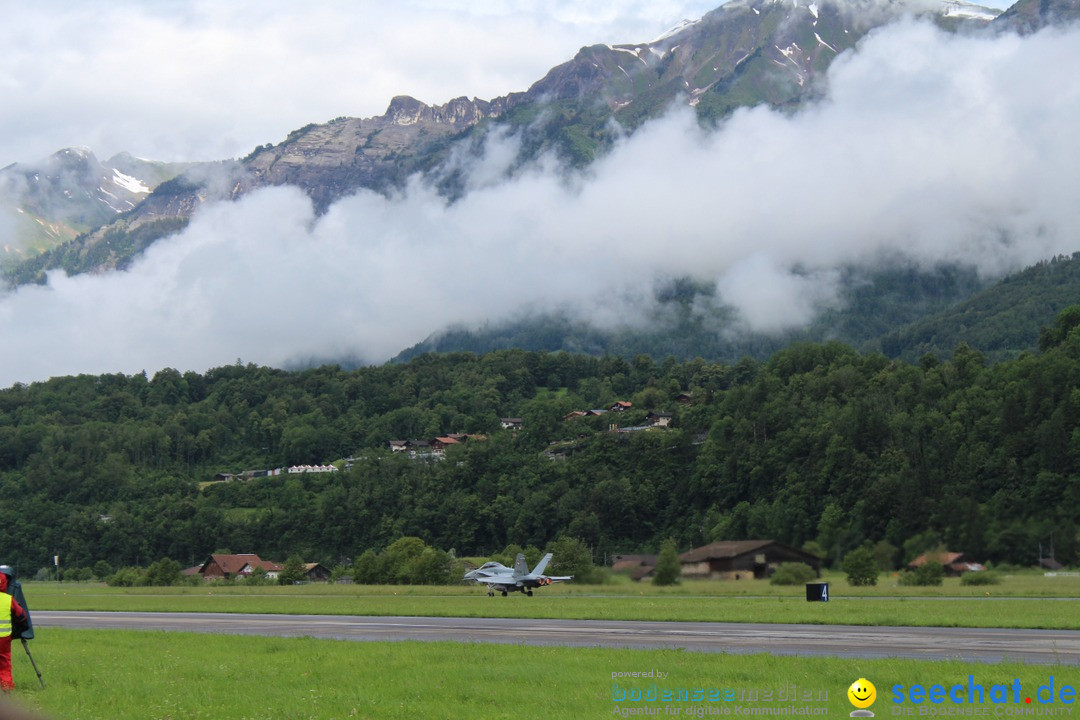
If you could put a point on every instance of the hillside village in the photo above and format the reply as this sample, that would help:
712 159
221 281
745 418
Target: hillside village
435 448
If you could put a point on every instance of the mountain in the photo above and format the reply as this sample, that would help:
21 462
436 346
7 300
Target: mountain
903 312
744 53
1001 320
52 201
1029 16
688 320
68 193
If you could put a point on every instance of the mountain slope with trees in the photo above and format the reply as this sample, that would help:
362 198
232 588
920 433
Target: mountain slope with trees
820 444
902 311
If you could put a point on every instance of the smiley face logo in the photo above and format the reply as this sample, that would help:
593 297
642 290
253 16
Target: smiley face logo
862 693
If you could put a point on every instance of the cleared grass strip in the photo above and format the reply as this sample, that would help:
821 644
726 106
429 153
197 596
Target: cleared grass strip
92 675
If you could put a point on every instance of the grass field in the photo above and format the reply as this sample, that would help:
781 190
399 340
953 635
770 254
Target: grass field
1029 601
118 675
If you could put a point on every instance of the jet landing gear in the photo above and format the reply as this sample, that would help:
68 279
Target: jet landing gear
529 593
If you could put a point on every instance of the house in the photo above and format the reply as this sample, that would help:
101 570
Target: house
638 567
316 572
955 563
400 445
231 567
742 559
272 569
511 423
659 419
594 412
312 469
684 398
440 444
620 406
573 414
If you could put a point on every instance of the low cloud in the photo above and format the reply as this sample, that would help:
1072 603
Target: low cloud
930 147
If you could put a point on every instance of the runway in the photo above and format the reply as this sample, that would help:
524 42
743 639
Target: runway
850 641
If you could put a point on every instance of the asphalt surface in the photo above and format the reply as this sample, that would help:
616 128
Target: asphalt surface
968 644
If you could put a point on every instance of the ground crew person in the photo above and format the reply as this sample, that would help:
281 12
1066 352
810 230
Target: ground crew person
11 612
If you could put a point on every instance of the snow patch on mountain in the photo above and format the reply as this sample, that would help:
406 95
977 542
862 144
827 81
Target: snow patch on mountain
133 185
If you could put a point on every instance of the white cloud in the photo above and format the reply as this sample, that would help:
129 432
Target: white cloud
930 146
207 80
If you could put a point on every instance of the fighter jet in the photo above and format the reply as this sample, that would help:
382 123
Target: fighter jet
499 577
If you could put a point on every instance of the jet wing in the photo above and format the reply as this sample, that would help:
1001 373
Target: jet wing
508 581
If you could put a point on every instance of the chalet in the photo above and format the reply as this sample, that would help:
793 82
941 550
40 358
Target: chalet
638 567
620 406
955 563
684 398
659 419
231 567
574 414
272 569
400 445
316 572
594 412
439 444
742 559
511 423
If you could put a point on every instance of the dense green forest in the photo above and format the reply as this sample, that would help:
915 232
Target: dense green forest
819 443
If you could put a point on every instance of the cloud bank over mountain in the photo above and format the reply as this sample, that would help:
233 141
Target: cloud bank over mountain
927 146
204 80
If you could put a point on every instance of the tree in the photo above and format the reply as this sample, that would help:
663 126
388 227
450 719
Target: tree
164 572
293 571
258 576
433 567
929 573
367 570
861 566
668 568
570 556
102 570
792 573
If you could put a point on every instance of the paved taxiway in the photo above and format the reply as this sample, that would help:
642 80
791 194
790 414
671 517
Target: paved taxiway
969 644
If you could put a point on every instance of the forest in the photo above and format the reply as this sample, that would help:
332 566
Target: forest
819 446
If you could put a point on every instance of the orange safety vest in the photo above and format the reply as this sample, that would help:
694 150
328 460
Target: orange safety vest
5 615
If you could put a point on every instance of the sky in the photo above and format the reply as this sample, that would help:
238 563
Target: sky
207 80
927 147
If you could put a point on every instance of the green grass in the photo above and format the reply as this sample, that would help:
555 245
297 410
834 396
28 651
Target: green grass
1030 601
117 675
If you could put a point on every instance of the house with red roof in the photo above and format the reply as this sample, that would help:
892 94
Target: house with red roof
231 567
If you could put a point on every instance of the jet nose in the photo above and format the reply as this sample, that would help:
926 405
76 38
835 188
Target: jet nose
471 575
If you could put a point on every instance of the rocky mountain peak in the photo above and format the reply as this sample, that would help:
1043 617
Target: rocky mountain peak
461 112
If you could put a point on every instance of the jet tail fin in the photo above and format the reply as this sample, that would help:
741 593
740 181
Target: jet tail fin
520 568
542 565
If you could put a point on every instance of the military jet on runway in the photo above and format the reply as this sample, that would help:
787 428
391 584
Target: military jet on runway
499 577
